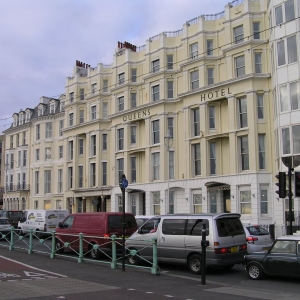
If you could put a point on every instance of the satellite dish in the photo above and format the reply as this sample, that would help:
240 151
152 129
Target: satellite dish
95 201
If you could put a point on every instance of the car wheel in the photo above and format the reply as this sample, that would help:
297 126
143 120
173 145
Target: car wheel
58 246
194 264
255 271
133 258
94 253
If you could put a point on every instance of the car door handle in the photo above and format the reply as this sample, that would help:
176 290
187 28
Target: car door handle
162 239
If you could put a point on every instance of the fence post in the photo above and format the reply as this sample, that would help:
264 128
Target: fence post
114 252
11 244
155 269
52 255
80 258
30 241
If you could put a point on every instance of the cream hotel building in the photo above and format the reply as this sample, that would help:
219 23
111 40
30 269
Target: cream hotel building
197 119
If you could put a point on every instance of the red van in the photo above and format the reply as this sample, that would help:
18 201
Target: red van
96 228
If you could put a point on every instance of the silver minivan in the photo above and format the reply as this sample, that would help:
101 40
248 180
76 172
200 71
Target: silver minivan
179 240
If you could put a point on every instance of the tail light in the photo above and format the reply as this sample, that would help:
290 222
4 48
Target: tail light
234 249
251 239
106 235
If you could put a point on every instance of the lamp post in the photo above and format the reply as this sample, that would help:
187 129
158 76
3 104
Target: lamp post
123 185
168 143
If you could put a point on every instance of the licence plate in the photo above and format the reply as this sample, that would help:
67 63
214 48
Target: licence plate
266 248
234 249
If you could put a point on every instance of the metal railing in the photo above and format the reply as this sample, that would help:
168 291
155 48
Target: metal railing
17 187
47 243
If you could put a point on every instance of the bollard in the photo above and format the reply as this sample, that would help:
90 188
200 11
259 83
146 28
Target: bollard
11 244
52 255
155 269
30 241
114 252
80 258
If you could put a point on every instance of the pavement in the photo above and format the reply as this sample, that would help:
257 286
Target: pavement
37 276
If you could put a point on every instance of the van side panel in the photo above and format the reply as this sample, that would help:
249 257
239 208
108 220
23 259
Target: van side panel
96 225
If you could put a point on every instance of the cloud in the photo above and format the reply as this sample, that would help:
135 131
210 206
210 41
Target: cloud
41 40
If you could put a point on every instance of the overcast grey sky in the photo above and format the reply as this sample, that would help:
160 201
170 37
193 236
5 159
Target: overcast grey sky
40 40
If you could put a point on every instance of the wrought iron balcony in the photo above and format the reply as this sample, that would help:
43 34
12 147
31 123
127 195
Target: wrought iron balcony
17 187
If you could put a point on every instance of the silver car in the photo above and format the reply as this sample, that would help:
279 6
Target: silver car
5 226
258 238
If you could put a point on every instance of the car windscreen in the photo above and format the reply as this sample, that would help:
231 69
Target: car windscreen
115 222
257 230
140 222
229 227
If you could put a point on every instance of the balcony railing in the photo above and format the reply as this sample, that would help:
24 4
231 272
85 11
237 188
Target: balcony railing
17 187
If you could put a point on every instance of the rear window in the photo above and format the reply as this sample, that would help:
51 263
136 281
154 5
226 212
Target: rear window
4 221
229 227
15 215
257 230
115 222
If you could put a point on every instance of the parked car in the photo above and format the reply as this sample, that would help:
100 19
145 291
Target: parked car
141 219
97 228
179 240
5 226
258 238
282 259
13 215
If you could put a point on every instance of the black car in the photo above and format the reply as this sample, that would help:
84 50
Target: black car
282 259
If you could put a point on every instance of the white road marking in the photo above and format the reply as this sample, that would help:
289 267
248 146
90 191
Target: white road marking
40 270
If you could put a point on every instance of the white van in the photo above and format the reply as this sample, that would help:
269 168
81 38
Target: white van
179 240
41 220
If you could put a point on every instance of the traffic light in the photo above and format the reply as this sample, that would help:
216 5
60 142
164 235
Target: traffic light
297 184
281 184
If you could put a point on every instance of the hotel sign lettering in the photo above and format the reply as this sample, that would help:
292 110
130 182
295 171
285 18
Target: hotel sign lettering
137 115
215 94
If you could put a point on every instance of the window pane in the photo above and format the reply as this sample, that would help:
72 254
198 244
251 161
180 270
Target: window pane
281 53
295 95
260 107
278 15
238 34
256 31
283 99
296 139
261 150
244 153
292 49
289 10
286 141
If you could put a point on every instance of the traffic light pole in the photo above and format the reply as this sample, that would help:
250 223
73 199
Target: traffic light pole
290 200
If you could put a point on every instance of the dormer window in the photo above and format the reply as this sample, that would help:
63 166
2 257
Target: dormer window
21 120
27 117
52 108
62 105
15 121
40 111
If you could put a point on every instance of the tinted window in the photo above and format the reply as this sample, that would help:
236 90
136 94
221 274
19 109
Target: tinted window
194 227
229 227
115 222
4 221
257 230
173 227
15 215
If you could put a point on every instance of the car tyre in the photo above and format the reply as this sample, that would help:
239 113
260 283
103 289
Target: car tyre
133 260
255 271
194 264
59 246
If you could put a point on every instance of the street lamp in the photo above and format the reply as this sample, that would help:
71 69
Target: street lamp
168 143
